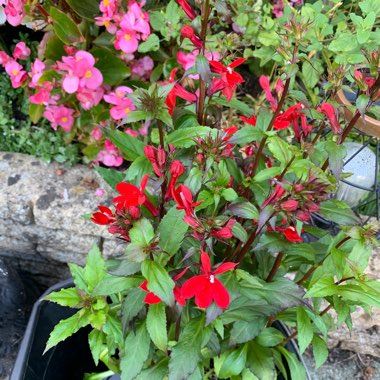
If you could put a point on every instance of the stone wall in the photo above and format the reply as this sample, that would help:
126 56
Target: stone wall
41 221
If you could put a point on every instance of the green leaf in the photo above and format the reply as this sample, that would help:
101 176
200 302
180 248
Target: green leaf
114 70
260 362
131 147
280 149
132 305
311 72
186 137
269 337
239 232
112 284
231 363
267 173
202 67
151 44
65 28
159 281
172 230
35 112
244 331
77 273
95 341
85 8
94 271
156 325
156 372
362 103
54 49
304 328
229 194
139 167
344 42
112 177
320 351
66 328
114 329
142 232
186 353
234 104
338 212
124 267
336 154
297 370
136 352
244 210
246 135
135 252
322 288
65 297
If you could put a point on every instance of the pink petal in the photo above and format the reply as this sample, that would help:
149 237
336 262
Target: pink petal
70 84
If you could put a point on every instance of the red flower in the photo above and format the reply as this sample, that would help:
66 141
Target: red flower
251 120
176 170
290 234
150 298
188 32
187 8
329 110
206 288
265 85
278 192
132 196
289 205
230 78
184 199
104 217
157 158
224 232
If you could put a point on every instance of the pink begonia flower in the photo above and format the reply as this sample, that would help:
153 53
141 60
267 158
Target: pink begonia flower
42 96
4 58
143 67
60 116
127 40
132 132
96 133
187 61
106 21
90 98
14 11
16 73
108 6
38 68
110 155
122 104
21 51
140 21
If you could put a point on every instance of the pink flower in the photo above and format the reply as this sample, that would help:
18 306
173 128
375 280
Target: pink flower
90 98
96 133
38 68
122 104
4 58
21 51
127 40
110 156
16 73
107 22
108 6
42 96
14 11
206 288
143 67
99 192
137 19
60 116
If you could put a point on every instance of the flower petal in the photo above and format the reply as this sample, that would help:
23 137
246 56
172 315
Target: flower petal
220 294
193 286
206 263
225 267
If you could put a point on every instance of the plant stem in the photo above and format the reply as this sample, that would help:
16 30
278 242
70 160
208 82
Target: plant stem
164 183
314 267
275 267
42 10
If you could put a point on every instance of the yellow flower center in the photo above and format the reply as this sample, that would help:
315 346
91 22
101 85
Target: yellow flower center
14 71
106 3
106 23
127 110
64 119
119 94
88 74
127 37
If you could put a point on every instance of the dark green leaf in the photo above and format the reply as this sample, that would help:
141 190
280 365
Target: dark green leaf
202 68
85 8
35 112
269 337
244 210
338 212
112 284
260 361
362 103
186 137
65 28
234 104
112 177
156 325
246 135
139 167
243 331
239 232
132 305
304 328
131 147
136 352
231 363
157 372
297 370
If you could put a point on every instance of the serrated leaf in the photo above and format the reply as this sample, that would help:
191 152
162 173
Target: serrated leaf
320 351
113 328
159 281
260 362
94 271
142 232
65 297
243 331
131 147
186 137
112 284
172 230
112 177
157 372
151 44
338 212
95 341
280 149
136 352
186 353
132 305
156 325
246 135
304 328
67 327
322 288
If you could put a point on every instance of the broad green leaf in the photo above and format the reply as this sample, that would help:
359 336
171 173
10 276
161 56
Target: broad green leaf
231 363
77 273
159 281
156 325
151 44
96 339
94 271
267 173
260 362
269 337
246 135
202 67
234 104
280 149
112 177
132 305
85 8
142 232
297 370
263 119
344 42
139 167
136 352
67 327
186 137
338 212
320 351
131 147
54 49
304 328
114 70
65 297
311 72
322 288
243 331
239 232
35 112
112 284
172 230
114 329
65 28
157 372
186 353
124 267
135 252
229 194
336 154
244 210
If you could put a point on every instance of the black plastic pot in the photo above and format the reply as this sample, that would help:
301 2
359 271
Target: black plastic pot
70 359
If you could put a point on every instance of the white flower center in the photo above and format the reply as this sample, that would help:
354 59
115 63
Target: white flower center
229 70
212 278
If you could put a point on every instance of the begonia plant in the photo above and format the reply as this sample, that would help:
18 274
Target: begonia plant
217 208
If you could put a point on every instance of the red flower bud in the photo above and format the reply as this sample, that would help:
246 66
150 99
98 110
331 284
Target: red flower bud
303 216
187 32
289 205
177 169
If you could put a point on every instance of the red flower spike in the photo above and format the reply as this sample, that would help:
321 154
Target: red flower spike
205 287
187 9
176 170
289 205
329 110
251 120
104 217
277 194
150 298
188 32
184 199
